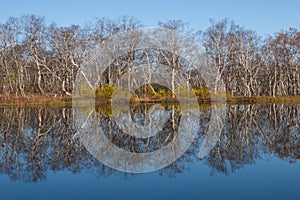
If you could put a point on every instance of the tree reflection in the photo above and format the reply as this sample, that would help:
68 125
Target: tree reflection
254 130
155 124
34 141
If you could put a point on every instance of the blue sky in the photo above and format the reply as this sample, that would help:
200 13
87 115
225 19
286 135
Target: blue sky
265 17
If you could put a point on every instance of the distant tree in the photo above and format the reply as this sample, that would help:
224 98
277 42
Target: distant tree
41 59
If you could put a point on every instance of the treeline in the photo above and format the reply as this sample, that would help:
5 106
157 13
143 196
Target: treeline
41 59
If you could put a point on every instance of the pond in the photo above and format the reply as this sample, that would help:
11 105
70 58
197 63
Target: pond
58 152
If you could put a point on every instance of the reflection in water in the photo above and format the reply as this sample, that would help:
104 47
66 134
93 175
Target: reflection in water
252 130
145 128
120 142
34 141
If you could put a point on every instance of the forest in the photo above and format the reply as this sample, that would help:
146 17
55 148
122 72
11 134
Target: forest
40 59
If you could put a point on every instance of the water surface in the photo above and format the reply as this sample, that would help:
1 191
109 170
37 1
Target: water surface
255 157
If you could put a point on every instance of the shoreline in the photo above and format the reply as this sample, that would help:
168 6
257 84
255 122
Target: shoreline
66 101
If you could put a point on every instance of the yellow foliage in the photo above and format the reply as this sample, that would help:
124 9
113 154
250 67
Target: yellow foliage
202 92
105 92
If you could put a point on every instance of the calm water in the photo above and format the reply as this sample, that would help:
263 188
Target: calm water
256 155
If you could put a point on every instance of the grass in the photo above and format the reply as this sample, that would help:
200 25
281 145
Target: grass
66 101
264 100
35 101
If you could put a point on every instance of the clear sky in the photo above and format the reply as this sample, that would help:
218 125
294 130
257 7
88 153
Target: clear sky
263 16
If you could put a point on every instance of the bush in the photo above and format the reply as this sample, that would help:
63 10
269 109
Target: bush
105 92
133 97
149 91
162 93
202 92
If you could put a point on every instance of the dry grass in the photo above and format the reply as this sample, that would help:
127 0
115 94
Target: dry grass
66 101
264 100
35 101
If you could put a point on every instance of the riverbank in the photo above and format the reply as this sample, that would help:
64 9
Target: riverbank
264 100
66 101
35 100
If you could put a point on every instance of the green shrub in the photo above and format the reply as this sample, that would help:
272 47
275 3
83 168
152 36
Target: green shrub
169 93
156 96
162 93
149 91
105 92
133 97
202 92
